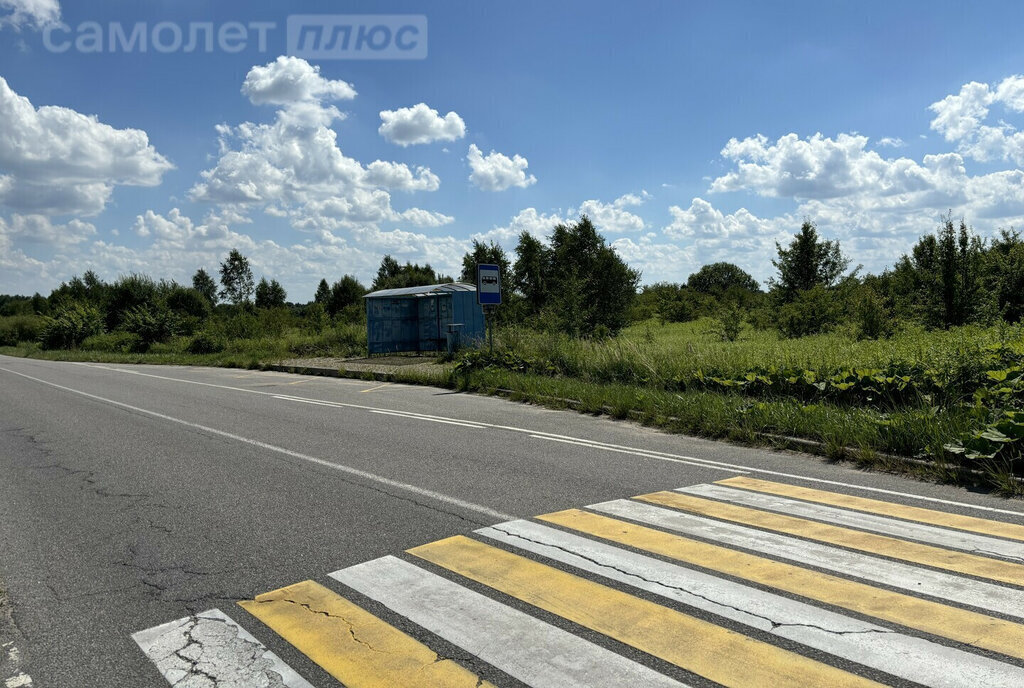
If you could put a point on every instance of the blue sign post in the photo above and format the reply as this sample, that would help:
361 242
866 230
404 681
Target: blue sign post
488 293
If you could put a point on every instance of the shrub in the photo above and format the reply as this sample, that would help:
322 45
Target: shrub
812 311
188 302
730 323
152 325
871 315
20 328
113 342
70 325
242 325
206 342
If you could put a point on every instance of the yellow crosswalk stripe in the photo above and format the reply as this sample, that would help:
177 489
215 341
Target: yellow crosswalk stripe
351 644
874 506
719 654
895 548
961 625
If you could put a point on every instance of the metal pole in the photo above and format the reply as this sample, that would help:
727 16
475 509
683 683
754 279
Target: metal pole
490 326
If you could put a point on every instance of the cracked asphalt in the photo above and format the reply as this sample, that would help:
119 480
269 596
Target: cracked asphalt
128 498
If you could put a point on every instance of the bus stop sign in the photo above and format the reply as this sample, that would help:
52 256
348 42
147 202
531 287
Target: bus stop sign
488 284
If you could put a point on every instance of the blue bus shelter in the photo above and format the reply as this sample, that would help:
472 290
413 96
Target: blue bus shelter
423 318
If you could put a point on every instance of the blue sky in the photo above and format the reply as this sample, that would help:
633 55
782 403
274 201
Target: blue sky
689 132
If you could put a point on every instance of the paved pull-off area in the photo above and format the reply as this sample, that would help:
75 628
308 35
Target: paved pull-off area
211 527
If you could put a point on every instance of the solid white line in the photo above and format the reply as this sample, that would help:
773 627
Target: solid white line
636 452
945 587
366 475
752 469
209 648
869 644
531 650
953 539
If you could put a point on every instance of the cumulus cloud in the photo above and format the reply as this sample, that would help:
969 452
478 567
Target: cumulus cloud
497 172
891 142
420 124
38 229
291 80
35 14
59 161
293 166
960 118
614 216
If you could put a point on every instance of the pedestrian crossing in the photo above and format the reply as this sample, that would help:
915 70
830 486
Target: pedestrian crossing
743 582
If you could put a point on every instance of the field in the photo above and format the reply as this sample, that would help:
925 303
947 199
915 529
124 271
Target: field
944 399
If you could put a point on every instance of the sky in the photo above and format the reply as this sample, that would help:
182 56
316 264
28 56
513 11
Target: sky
688 132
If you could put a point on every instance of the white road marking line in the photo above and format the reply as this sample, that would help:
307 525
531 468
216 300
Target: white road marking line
636 452
869 644
21 680
752 469
952 539
531 650
946 587
431 420
216 650
366 475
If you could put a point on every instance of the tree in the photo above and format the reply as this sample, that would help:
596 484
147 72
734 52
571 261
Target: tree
530 271
236 278
591 287
270 294
393 275
808 262
718 278
344 293
323 293
946 277
204 284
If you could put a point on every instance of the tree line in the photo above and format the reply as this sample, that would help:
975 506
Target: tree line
575 283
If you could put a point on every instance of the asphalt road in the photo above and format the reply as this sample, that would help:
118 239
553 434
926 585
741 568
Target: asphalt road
131 496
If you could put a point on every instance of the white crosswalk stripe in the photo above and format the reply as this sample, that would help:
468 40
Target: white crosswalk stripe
943 537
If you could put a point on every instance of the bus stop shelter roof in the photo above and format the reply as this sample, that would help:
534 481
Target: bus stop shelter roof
422 291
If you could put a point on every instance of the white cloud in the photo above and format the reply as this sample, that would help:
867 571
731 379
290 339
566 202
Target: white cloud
176 245
294 168
420 124
613 217
34 13
38 229
960 118
497 172
399 177
290 80
58 161
891 142
820 167
528 220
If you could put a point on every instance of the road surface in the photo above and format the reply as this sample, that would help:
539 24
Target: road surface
215 527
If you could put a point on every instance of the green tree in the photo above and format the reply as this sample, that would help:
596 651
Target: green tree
393 275
236 279
946 274
270 294
323 293
1004 274
204 284
718 278
529 275
808 262
346 292
592 288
